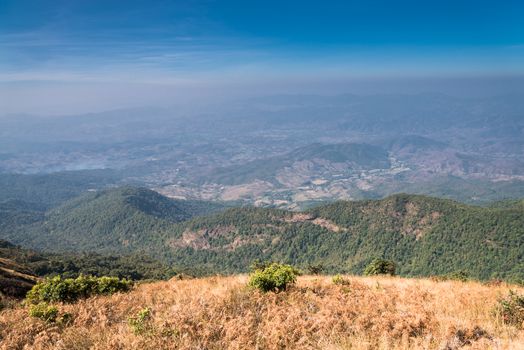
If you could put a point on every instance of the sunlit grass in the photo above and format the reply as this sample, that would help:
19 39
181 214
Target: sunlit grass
222 313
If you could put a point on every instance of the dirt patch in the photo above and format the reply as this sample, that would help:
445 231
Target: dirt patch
416 225
242 241
300 217
328 225
201 239
191 239
324 223
244 191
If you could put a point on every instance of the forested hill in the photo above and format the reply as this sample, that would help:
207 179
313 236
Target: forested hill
424 235
120 219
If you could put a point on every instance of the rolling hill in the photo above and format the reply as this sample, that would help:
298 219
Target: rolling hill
424 235
119 219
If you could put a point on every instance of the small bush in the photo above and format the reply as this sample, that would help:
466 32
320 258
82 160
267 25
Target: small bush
340 280
140 323
494 282
380 267
511 309
459 275
45 312
69 290
275 277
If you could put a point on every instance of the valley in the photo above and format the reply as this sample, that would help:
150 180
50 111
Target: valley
288 151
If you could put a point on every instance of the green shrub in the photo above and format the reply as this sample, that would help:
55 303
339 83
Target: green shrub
459 275
50 314
140 323
380 267
511 309
275 277
69 290
340 280
45 312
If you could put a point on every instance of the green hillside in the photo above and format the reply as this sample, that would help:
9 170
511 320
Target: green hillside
433 236
121 219
33 263
424 235
508 204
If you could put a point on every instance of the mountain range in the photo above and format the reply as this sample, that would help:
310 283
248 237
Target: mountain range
423 235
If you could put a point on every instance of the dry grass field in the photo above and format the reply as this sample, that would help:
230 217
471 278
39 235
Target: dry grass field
221 313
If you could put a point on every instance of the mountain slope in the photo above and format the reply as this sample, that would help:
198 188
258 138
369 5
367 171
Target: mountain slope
428 235
121 219
424 235
15 278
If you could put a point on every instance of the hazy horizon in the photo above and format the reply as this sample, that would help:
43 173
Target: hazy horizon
87 56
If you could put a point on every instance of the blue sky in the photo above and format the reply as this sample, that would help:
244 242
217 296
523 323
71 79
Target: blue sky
77 46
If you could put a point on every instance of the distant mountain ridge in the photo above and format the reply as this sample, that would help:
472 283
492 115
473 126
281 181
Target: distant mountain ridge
355 155
48 190
289 151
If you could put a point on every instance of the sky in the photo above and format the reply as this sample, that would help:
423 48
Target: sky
64 56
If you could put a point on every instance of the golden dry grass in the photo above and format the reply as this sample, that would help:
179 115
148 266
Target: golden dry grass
220 313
